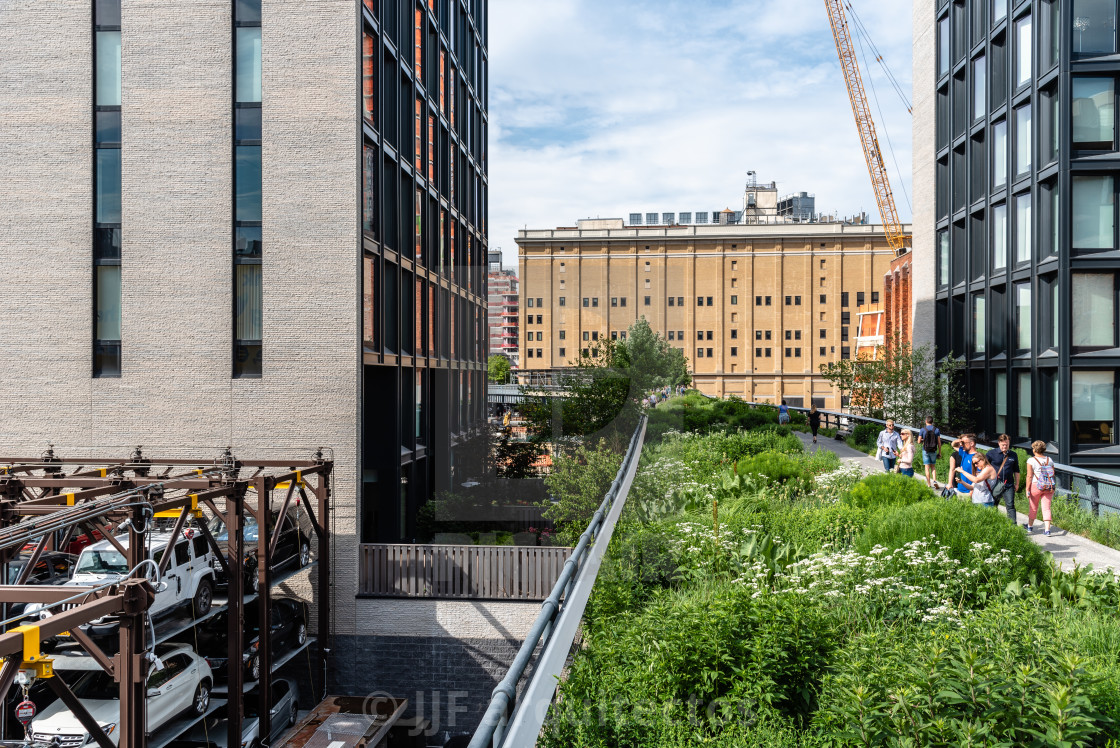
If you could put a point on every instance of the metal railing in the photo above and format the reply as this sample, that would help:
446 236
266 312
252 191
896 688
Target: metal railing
556 624
1092 488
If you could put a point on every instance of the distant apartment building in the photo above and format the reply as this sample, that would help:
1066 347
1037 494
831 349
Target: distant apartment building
755 307
502 309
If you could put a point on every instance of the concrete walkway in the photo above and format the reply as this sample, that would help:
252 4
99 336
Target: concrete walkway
1067 548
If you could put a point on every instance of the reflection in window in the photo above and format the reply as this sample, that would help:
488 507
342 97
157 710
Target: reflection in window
1025 405
1023 227
369 71
1023 316
1093 212
999 237
1094 113
1093 406
108 68
247 180
108 185
979 324
247 86
1093 316
1094 27
979 87
108 323
1001 403
943 46
1023 51
943 258
999 154
1023 139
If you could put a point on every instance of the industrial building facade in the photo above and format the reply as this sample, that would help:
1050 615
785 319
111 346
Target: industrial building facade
266 232
1018 139
756 308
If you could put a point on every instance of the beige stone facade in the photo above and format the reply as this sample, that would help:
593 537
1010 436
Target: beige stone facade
755 308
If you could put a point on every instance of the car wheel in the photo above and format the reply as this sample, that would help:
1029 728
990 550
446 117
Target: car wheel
203 598
293 713
201 703
255 668
301 634
304 553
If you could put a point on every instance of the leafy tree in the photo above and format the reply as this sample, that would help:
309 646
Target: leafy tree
498 368
649 361
515 459
904 383
578 483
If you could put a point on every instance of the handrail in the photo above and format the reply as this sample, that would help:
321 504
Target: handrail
1064 474
556 624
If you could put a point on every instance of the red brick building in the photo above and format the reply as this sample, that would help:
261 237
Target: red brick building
897 298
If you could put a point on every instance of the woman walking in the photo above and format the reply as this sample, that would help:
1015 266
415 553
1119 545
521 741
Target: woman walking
907 453
982 480
1040 485
814 421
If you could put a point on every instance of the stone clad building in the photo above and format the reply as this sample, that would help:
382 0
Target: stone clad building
756 307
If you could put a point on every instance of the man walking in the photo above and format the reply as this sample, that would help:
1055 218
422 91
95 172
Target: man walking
889 445
1006 464
930 437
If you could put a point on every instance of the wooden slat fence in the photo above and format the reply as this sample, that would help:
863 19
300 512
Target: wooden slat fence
496 572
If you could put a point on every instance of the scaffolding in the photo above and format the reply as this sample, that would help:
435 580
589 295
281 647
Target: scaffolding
49 501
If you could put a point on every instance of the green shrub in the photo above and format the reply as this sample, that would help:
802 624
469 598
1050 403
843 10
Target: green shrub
775 467
812 528
882 490
865 435
957 525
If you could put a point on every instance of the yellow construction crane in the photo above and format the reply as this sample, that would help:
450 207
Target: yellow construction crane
892 226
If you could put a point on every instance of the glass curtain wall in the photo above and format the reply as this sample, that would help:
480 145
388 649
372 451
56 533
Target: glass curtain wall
248 289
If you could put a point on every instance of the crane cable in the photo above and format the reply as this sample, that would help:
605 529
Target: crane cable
862 36
861 31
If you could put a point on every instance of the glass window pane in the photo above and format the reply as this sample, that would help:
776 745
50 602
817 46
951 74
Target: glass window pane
247 242
108 325
107 13
107 360
247 87
1023 139
979 87
247 304
999 10
943 46
369 190
1093 317
107 244
248 182
248 123
999 236
1023 227
247 360
108 76
247 11
1093 212
943 258
1094 27
1094 112
1023 316
1001 403
369 71
1023 51
108 196
108 127
999 154
1025 405
1093 397
979 324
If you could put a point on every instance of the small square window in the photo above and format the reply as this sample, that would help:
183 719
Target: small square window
586 335
647 282
562 268
844 299
824 334
709 334
758 353
758 301
594 334
530 351
822 350
699 353
680 334
768 354
789 335
563 353
734 351
680 301
768 301
789 352
734 263
768 334
699 334
563 301
645 300
789 301
647 267
797 353
530 302
734 300
614 334
563 334
586 302
540 353
734 333
671 300
797 335
860 296
823 299
540 336
528 319
540 303
672 335
595 301
622 301
708 352
614 301
874 297
540 319
797 301
699 301
758 334
709 301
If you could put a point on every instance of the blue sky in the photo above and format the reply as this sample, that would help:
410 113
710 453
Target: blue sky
607 107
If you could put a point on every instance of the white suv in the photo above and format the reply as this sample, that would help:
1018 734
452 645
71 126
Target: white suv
188 580
182 685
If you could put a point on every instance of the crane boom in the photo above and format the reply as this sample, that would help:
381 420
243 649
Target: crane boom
892 226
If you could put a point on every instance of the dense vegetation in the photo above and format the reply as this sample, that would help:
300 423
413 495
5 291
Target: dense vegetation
758 595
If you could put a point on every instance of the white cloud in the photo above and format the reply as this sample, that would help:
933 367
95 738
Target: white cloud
603 107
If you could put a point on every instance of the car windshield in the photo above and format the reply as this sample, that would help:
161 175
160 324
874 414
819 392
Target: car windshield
109 561
248 530
98 686
14 569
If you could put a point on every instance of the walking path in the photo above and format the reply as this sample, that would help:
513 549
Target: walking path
1067 548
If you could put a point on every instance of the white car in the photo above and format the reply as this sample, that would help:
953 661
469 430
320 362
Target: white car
182 685
188 580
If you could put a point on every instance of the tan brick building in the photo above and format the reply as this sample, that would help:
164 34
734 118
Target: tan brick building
756 308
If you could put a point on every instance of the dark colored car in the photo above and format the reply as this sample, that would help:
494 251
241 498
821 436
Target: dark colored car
52 568
293 548
287 630
77 542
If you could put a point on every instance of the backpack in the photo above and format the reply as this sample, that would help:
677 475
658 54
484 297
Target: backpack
1044 476
931 440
